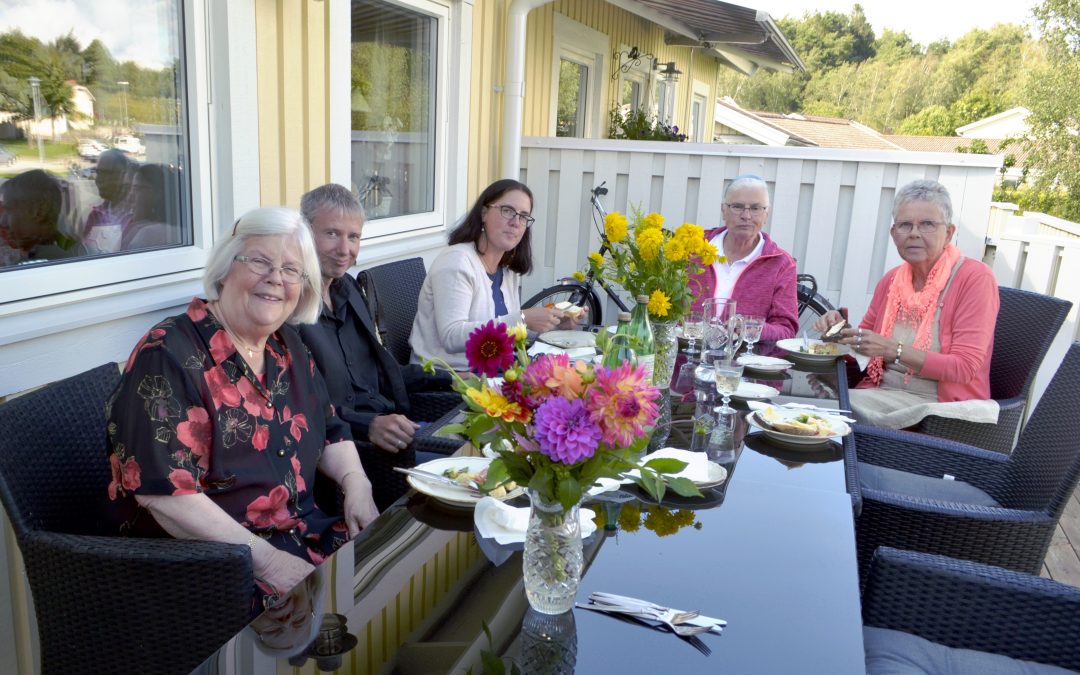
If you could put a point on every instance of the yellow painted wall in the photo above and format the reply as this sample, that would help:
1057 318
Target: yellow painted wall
292 38
488 63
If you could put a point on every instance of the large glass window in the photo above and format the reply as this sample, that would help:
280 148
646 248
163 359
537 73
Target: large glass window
93 128
393 108
573 88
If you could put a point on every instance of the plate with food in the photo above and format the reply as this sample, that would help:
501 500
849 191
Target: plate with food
812 351
569 339
797 428
469 472
764 364
753 391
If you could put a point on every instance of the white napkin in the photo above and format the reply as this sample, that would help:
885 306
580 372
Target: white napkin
861 359
575 354
697 463
507 524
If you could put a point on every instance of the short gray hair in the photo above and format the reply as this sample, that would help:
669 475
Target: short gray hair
745 181
330 197
924 191
272 221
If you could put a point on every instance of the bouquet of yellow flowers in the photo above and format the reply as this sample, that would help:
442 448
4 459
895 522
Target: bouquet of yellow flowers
646 259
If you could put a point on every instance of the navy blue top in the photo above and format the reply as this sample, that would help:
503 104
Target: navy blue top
496 291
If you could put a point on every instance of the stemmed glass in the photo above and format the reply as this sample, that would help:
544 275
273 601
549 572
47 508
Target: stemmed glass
752 326
728 375
693 330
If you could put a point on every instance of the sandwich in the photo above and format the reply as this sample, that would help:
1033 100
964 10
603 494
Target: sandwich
803 424
832 333
568 309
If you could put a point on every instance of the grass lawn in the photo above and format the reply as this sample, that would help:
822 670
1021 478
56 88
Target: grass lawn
52 150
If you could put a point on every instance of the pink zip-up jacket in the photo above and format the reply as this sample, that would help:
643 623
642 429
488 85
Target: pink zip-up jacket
765 288
969 312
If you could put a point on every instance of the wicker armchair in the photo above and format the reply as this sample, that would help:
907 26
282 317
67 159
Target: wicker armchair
1000 509
972 606
393 290
106 603
1026 325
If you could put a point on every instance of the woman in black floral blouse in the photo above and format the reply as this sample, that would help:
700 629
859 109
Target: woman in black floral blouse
221 418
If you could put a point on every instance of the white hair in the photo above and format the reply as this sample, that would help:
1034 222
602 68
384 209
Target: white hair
745 181
929 191
271 221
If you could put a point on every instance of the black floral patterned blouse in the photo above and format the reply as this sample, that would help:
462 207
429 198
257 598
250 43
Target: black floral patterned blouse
189 416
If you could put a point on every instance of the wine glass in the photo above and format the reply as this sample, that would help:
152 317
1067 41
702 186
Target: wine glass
728 375
693 330
752 326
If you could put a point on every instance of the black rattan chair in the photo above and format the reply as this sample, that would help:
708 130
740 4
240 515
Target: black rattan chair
105 603
972 606
396 289
1026 325
1000 509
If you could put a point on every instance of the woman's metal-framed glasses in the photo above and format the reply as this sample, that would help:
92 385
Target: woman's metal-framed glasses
754 209
509 212
263 267
925 226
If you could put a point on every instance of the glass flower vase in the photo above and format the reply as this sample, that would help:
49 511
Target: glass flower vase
553 559
667 350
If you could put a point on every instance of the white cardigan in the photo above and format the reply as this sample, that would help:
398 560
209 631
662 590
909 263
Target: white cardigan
456 299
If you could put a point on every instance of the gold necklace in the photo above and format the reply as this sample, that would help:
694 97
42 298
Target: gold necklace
236 340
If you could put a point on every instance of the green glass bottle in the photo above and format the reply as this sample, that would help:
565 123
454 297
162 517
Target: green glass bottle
620 349
641 335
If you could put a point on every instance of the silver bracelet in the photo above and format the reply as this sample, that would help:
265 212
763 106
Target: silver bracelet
251 542
899 352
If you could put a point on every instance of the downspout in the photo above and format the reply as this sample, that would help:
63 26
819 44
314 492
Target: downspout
514 87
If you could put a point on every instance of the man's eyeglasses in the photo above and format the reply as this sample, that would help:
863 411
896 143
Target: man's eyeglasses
263 267
755 209
509 212
925 226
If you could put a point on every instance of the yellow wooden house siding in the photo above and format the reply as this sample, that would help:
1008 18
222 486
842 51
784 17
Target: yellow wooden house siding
292 45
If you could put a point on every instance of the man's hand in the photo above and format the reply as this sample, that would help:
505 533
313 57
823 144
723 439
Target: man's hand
392 433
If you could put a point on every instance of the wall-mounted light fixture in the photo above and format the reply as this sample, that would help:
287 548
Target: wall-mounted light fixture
627 59
668 71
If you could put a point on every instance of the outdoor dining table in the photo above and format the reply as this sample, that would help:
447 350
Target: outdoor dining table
771 551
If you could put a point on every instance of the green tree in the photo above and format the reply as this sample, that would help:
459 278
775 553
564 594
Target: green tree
932 121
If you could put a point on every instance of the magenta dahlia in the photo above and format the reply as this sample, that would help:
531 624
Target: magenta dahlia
489 349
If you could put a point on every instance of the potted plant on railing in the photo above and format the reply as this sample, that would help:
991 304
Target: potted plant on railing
638 125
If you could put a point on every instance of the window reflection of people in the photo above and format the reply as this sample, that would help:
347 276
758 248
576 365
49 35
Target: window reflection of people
220 420
153 192
929 330
758 274
107 221
477 279
32 202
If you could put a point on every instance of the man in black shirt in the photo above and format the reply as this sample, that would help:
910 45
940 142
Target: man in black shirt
366 384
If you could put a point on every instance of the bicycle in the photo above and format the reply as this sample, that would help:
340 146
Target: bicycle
583 292
811 303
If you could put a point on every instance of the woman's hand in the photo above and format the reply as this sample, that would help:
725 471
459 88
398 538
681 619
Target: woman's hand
869 343
568 322
359 509
541 319
281 570
829 318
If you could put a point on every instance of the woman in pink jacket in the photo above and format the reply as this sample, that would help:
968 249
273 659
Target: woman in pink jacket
929 331
757 274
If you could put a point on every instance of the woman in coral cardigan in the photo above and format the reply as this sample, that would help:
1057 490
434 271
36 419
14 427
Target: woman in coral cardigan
929 331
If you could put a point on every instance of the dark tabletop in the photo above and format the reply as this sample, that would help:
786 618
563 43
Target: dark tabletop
772 551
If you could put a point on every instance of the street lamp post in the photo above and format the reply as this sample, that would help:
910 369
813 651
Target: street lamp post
123 91
35 93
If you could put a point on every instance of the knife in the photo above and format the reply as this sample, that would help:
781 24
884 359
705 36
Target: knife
628 602
436 478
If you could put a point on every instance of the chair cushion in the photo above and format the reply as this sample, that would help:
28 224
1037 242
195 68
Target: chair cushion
872 477
891 652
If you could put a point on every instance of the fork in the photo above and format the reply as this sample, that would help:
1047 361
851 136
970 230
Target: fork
670 618
692 640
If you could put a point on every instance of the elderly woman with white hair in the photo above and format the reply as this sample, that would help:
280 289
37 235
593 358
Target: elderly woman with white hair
221 419
929 330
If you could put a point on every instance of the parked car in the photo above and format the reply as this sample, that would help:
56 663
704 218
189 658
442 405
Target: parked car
7 157
90 148
129 144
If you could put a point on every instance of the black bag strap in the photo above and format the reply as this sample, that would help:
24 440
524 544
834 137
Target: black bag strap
370 293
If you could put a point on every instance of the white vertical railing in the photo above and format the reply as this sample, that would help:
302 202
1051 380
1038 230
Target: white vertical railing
830 208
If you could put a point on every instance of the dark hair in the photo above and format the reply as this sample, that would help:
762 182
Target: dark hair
472 227
40 189
157 184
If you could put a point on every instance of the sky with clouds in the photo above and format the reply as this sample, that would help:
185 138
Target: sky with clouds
126 27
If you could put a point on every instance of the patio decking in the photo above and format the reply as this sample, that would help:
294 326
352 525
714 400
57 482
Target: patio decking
1063 559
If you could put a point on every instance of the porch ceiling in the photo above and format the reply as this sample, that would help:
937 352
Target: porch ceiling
746 38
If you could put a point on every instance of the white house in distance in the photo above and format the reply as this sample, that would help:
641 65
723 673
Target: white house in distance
1009 124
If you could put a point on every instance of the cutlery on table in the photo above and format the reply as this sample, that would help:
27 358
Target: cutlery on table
436 478
805 341
813 408
693 640
644 606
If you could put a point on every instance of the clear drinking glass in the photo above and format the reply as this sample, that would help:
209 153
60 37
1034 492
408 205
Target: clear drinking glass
728 375
693 329
752 326
717 313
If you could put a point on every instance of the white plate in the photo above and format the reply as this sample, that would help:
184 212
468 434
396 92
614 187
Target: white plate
569 339
448 493
752 391
793 346
766 364
840 429
714 473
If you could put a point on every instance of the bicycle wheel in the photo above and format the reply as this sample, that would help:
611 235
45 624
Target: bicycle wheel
576 292
811 306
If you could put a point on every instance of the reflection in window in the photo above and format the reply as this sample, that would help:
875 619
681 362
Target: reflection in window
631 95
94 123
393 108
573 84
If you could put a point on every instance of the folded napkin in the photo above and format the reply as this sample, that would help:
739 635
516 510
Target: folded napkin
575 354
697 463
861 359
507 524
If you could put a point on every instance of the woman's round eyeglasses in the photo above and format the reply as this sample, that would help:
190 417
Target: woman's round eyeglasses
263 267
755 209
925 226
509 212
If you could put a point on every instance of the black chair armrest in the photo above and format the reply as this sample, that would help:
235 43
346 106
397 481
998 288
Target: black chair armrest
930 456
974 606
429 406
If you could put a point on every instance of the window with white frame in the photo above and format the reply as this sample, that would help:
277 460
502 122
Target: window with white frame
578 88
633 86
665 100
700 118
101 145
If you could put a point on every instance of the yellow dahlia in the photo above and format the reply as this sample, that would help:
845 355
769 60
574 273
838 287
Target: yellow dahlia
659 304
497 405
615 226
649 242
